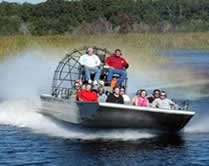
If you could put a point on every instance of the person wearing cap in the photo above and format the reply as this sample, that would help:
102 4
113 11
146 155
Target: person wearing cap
117 65
163 102
91 63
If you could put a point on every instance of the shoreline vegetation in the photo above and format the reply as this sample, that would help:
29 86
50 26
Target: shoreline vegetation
71 17
131 42
141 28
141 50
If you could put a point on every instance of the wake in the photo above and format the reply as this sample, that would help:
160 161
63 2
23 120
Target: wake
25 113
199 125
25 77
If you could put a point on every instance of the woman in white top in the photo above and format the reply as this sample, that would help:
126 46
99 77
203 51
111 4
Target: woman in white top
126 98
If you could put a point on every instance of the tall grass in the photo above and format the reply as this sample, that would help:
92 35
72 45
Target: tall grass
141 50
137 46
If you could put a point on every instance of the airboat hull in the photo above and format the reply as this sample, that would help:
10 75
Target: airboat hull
109 115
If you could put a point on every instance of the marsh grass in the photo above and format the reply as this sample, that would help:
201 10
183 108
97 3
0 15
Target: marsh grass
137 47
141 50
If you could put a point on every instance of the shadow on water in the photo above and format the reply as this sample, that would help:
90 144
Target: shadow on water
161 141
107 151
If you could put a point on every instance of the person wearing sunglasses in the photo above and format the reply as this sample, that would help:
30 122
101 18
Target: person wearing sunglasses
155 95
163 102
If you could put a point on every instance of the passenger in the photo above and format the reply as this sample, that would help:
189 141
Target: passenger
117 65
126 98
163 102
87 95
155 95
115 97
83 86
76 88
142 100
91 63
101 94
133 100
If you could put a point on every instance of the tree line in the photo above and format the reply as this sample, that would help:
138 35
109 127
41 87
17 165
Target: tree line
104 16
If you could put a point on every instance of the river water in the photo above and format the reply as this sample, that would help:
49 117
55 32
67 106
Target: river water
29 138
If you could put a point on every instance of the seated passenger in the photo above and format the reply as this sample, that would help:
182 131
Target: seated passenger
87 95
155 95
76 88
101 94
115 97
91 63
83 86
163 102
126 98
116 65
141 100
133 100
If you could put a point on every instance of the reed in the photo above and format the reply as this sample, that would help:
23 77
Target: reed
141 50
140 46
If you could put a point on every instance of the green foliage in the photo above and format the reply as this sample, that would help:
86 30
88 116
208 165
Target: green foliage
9 25
64 16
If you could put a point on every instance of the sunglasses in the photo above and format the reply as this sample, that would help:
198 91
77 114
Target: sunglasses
162 94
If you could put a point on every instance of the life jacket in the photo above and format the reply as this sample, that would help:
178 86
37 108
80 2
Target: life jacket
113 82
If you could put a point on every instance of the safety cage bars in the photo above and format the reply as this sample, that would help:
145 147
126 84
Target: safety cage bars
69 70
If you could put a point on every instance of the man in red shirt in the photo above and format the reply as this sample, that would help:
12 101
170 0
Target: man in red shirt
117 65
87 95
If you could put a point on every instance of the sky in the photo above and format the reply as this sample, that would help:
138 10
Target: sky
22 1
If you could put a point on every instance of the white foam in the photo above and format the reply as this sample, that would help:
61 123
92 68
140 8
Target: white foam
23 78
199 126
30 74
24 113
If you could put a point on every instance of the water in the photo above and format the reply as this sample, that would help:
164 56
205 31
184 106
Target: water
29 138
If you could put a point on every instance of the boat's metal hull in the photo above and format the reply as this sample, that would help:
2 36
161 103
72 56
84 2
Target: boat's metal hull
108 115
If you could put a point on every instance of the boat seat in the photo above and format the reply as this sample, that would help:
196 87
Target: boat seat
103 77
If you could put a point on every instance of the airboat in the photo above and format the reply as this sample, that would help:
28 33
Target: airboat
63 106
